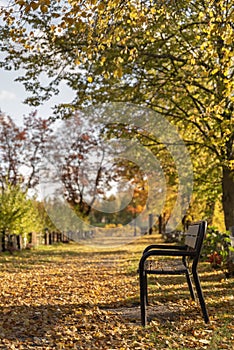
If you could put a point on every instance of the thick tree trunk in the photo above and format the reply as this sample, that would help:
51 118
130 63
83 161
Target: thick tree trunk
228 197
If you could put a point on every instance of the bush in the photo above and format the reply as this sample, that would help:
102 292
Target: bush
216 248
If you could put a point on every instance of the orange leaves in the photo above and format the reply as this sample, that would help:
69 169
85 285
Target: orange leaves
21 136
73 297
34 5
215 259
85 137
135 209
42 5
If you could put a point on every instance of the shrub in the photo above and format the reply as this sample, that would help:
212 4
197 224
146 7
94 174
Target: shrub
216 249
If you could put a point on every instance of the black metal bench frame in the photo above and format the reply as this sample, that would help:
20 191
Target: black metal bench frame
189 253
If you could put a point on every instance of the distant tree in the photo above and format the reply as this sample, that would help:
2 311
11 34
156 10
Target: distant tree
44 219
80 164
21 150
21 154
17 212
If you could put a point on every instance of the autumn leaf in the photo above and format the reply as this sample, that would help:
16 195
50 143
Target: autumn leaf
74 297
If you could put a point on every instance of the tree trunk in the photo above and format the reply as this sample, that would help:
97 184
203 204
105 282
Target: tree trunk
3 241
228 197
19 242
209 211
160 224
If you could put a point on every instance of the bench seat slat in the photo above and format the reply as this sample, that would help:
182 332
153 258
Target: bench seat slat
164 266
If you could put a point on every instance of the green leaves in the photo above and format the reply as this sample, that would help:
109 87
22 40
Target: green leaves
17 214
216 248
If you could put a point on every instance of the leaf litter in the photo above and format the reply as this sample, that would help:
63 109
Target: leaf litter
71 297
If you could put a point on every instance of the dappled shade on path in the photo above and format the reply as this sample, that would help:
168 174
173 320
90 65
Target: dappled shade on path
75 297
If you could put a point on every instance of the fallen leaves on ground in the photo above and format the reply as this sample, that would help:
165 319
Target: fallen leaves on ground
74 297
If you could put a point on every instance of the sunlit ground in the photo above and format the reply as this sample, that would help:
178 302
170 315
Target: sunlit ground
78 297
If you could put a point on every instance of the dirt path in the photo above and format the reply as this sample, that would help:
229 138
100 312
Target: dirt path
72 297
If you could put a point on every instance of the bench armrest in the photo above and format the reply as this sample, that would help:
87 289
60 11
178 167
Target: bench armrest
164 246
176 253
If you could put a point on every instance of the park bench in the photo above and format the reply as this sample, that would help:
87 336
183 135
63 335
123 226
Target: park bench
188 255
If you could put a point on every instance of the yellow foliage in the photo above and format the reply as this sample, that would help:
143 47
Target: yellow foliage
34 5
218 218
118 72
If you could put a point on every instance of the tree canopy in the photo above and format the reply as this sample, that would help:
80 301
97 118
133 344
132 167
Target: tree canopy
175 57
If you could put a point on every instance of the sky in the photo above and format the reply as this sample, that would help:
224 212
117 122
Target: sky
12 95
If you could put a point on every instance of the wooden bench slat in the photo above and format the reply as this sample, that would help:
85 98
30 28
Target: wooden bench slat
191 241
191 236
170 265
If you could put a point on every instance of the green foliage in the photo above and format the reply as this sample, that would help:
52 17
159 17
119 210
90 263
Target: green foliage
17 212
217 247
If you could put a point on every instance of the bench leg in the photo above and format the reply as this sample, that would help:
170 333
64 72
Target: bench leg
146 290
143 296
190 285
201 297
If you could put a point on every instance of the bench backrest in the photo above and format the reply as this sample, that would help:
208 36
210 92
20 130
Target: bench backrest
195 235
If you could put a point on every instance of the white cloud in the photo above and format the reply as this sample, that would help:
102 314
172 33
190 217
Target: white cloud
7 95
3 2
